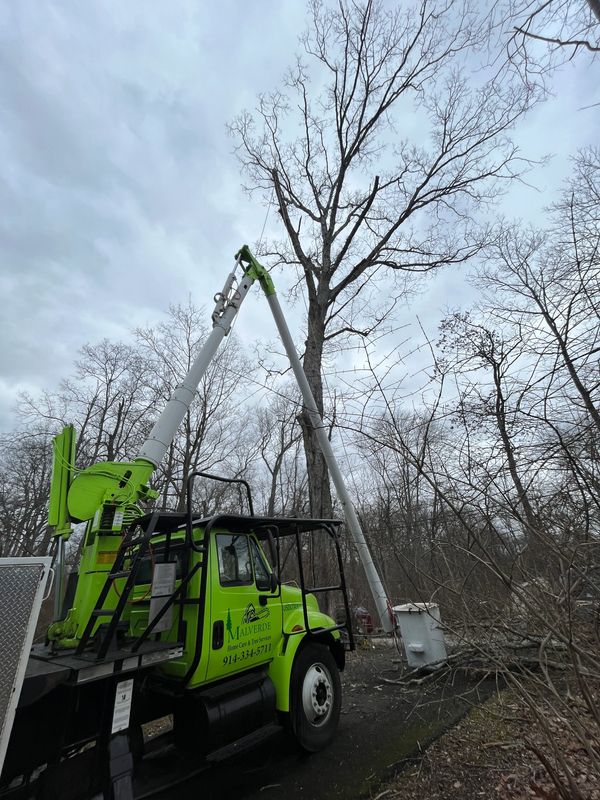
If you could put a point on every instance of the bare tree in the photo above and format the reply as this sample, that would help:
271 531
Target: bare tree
25 465
548 282
487 363
278 440
376 151
112 399
108 398
518 457
547 33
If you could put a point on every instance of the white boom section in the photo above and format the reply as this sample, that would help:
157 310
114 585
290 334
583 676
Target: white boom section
162 434
375 584
155 447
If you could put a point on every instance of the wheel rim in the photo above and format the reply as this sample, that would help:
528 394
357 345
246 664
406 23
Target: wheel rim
317 695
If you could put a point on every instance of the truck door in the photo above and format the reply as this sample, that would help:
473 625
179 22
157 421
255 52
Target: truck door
246 614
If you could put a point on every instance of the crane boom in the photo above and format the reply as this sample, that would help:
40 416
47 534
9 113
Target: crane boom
228 303
107 495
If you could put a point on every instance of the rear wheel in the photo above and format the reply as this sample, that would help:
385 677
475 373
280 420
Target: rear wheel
315 697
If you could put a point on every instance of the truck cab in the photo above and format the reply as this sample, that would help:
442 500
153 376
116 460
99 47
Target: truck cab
235 618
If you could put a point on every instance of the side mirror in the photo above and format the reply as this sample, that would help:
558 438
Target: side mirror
268 585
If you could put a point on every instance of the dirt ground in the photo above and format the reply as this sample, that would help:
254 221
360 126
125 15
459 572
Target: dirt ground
453 738
382 726
490 753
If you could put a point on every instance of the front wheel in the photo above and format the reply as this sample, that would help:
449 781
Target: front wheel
315 697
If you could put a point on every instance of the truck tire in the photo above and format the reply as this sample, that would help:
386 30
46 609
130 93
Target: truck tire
315 698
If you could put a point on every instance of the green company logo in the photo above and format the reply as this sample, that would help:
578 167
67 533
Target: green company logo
251 622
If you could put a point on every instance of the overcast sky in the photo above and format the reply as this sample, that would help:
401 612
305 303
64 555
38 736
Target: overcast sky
119 193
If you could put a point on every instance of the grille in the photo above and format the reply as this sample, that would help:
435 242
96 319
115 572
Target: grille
20 598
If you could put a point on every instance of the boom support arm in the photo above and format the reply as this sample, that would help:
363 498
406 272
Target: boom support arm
377 589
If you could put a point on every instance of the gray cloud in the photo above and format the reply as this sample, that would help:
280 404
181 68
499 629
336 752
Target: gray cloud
118 189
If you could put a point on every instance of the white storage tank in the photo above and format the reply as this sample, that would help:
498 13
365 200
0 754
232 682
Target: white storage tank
421 630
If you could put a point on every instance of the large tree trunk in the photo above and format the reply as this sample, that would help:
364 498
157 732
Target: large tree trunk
319 487
322 569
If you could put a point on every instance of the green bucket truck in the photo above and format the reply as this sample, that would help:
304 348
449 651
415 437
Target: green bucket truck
170 614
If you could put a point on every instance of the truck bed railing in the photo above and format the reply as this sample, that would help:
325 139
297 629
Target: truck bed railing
179 591
152 524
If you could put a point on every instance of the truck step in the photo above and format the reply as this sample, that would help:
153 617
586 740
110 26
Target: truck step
248 742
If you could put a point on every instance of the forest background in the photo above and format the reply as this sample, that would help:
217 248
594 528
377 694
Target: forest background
452 349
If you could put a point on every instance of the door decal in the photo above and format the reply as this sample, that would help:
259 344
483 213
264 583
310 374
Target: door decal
249 639
250 614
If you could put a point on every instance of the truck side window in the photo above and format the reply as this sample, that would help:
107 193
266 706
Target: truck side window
261 573
235 567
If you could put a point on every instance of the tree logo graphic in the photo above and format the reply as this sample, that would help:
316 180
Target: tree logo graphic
229 625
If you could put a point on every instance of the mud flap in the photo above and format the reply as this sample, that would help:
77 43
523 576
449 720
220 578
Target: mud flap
120 768
120 760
